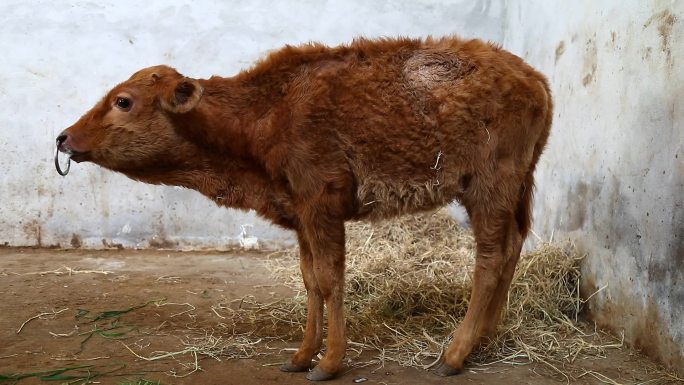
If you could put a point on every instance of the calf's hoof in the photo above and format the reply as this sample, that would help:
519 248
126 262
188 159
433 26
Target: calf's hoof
444 370
318 374
293 368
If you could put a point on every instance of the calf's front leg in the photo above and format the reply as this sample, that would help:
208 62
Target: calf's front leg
326 238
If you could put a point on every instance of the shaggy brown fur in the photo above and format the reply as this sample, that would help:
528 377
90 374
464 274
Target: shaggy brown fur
312 136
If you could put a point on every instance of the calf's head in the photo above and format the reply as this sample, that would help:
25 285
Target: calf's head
132 126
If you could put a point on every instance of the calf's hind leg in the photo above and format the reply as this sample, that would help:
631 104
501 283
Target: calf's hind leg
518 227
490 230
492 316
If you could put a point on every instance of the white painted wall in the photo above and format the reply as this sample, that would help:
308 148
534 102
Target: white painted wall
60 57
612 177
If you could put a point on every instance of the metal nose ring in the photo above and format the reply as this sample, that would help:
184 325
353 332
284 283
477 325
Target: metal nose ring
60 140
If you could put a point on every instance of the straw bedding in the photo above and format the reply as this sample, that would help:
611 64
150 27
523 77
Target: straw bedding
408 286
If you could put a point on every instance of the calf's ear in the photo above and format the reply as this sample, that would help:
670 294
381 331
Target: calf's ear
183 96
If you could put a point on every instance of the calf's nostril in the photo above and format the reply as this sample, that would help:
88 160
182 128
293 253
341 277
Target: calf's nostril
61 139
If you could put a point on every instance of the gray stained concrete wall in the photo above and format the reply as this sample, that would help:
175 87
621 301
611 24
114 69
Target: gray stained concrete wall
611 178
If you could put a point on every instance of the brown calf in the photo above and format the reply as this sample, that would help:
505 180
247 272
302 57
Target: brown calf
312 136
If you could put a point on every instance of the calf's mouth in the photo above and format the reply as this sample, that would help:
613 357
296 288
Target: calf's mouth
69 153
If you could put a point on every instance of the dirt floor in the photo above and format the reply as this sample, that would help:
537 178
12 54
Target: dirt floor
77 310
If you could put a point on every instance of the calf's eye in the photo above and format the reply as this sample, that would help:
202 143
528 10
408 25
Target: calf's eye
123 103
